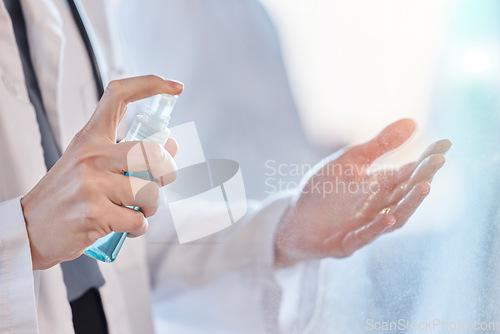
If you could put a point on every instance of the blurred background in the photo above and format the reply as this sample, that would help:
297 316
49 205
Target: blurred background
289 81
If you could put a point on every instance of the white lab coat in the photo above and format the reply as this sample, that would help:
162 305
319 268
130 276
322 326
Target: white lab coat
35 301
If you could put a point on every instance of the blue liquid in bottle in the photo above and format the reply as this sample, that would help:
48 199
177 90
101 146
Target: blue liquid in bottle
151 125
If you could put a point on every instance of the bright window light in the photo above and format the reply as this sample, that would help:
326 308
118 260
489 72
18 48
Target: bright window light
477 61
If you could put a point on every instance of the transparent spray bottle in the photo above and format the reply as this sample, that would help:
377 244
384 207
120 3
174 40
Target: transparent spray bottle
150 125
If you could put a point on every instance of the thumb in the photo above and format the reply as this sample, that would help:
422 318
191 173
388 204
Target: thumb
118 93
393 136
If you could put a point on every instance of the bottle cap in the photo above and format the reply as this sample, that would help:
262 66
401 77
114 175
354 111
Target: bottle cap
160 109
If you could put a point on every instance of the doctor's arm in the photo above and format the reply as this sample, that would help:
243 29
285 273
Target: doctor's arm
79 200
340 208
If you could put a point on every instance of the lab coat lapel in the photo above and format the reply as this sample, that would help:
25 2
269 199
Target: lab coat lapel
44 26
24 164
21 142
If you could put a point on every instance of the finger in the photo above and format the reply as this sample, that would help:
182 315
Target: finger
141 230
129 221
427 169
118 94
171 146
423 173
366 234
390 138
136 156
134 192
121 220
439 147
407 206
392 178
392 188
382 192
389 180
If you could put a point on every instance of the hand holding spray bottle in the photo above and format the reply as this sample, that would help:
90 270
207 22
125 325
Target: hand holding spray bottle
150 125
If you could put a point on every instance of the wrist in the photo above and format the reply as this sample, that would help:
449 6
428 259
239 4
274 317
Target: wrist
286 250
36 261
281 258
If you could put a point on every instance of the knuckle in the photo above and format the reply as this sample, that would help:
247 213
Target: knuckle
114 88
94 222
137 222
156 78
86 156
97 233
81 136
92 213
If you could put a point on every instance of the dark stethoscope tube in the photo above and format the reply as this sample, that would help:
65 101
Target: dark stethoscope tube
75 11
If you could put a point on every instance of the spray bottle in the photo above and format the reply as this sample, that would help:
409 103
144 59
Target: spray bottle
150 125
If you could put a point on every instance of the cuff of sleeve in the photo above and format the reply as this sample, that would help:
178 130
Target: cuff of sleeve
260 231
289 295
265 224
248 244
17 292
301 296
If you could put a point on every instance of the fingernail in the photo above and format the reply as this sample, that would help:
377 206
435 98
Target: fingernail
439 160
444 145
427 189
391 222
176 84
434 161
411 125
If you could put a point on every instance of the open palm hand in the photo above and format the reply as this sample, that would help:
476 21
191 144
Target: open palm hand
342 206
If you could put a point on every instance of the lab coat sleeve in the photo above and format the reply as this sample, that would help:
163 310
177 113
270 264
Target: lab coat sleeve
237 262
17 292
247 243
